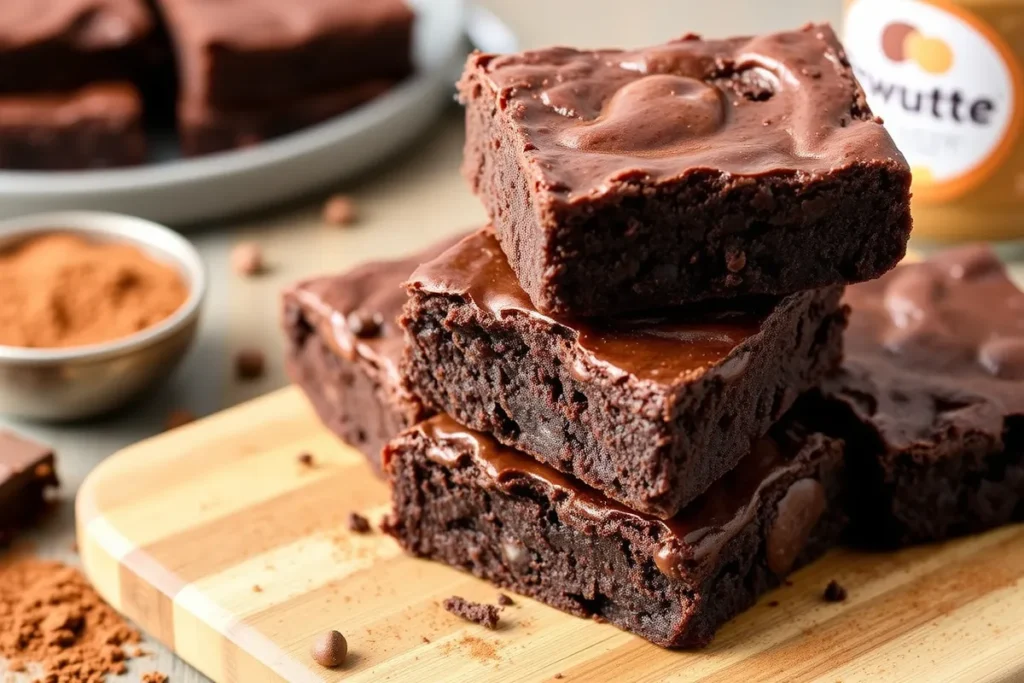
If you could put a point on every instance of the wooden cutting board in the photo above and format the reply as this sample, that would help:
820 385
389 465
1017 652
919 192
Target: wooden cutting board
216 540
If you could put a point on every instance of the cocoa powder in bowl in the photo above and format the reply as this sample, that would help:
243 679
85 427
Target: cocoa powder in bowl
63 290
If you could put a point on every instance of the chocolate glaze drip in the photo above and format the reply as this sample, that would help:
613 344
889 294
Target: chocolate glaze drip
688 542
662 346
955 319
783 103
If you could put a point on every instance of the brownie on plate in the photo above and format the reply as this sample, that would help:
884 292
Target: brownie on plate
204 130
930 398
99 126
627 180
65 44
344 345
461 498
649 409
239 54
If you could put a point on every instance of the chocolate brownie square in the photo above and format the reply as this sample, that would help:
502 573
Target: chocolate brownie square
627 180
463 499
26 474
930 398
344 345
99 126
204 130
649 410
241 54
66 44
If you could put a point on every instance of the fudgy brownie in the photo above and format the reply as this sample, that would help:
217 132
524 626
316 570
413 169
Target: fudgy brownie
649 410
204 130
239 54
930 398
99 126
463 499
627 180
26 473
344 345
65 44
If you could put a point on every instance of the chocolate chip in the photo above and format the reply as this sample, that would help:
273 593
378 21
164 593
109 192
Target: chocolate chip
247 259
330 649
339 210
306 459
795 518
364 324
484 615
178 418
358 524
834 592
249 364
504 600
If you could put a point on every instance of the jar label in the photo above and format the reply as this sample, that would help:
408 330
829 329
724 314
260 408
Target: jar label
947 85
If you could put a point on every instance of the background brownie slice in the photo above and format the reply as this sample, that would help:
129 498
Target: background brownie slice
66 44
237 54
204 130
930 398
99 126
344 345
463 499
26 473
620 181
648 410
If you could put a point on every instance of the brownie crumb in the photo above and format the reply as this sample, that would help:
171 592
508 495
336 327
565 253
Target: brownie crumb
834 592
178 418
735 261
257 588
558 677
425 639
330 649
154 677
340 210
504 600
484 615
306 459
247 259
773 603
249 364
358 524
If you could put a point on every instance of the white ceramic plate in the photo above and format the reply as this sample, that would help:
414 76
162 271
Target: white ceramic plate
181 191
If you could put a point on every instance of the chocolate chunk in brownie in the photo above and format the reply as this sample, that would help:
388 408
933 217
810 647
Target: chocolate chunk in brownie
99 126
61 45
204 129
350 377
26 473
649 410
930 398
484 615
463 499
247 54
627 180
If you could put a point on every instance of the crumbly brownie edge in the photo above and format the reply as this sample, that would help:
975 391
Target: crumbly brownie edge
649 447
352 399
91 143
707 236
524 543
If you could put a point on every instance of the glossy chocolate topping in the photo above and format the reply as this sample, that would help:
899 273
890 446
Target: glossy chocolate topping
86 24
955 320
689 541
337 306
784 103
104 101
659 347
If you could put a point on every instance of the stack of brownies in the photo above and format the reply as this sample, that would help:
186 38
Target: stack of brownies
625 397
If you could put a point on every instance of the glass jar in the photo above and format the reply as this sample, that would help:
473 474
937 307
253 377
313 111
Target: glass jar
946 78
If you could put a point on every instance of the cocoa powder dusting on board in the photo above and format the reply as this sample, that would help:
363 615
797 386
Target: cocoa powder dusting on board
49 614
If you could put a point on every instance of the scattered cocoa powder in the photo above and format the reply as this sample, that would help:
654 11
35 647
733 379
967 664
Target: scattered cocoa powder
49 614
154 677
62 290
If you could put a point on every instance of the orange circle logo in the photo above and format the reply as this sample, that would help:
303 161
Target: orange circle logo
902 42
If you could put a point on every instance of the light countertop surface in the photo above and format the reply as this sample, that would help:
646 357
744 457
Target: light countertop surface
403 205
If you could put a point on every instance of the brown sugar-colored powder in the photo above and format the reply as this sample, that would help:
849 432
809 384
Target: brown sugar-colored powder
62 290
155 677
51 615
